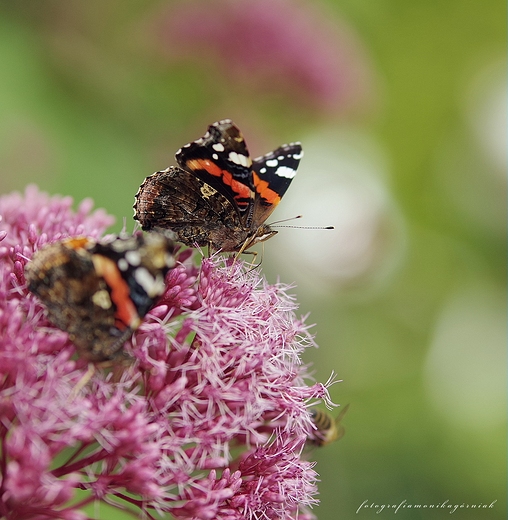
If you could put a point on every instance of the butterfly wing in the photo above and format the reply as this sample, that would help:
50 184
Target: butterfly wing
221 159
177 200
272 175
218 196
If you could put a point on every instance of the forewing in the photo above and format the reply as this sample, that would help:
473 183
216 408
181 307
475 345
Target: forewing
272 176
221 159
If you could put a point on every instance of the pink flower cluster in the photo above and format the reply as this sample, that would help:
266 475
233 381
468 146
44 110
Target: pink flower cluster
272 46
208 422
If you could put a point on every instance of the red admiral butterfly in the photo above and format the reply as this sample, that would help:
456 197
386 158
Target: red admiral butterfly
218 197
99 292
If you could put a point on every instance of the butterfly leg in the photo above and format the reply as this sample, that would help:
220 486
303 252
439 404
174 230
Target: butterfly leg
85 378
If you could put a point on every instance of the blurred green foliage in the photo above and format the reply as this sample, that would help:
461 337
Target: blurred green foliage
88 107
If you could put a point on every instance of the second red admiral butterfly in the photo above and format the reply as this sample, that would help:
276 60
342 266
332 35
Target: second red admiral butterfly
98 292
218 196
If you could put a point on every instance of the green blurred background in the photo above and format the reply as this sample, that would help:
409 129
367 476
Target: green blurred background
401 109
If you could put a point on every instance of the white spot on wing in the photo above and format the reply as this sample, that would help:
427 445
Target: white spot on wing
207 191
133 258
284 171
240 159
101 299
272 163
218 147
169 260
152 286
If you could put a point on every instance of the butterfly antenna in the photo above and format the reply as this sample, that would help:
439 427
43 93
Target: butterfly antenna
286 219
273 224
306 227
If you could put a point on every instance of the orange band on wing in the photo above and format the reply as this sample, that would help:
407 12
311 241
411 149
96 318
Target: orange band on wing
126 312
78 242
205 164
264 191
241 190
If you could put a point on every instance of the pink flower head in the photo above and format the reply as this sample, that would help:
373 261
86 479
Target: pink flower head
277 46
208 422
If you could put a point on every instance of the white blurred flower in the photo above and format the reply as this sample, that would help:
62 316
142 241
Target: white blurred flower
470 170
485 108
341 182
465 370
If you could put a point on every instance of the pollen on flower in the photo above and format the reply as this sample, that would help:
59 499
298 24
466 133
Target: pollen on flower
208 420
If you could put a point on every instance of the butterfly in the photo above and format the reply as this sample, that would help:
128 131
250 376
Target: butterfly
218 196
100 291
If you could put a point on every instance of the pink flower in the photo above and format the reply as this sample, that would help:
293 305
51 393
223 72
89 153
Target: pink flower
210 420
272 46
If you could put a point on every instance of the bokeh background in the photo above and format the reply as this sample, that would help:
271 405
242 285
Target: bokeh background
401 108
